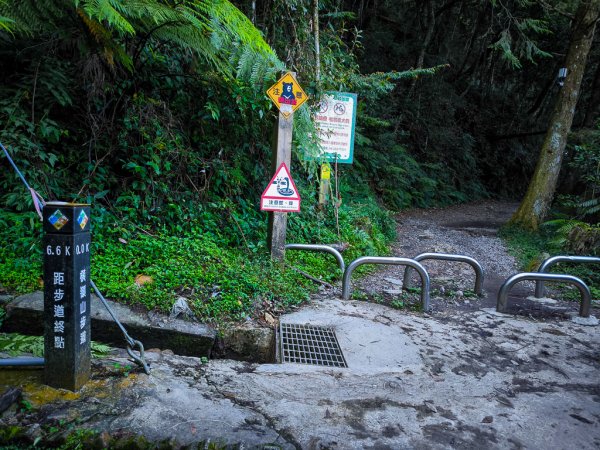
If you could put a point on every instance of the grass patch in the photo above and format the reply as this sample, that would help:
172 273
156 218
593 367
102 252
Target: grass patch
532 248
20 252
528 247
223 278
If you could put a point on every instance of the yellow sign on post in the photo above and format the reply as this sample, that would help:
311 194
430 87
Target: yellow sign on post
324 185
287 94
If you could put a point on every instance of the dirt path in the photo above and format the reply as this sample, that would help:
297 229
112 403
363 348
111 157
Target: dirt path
470 230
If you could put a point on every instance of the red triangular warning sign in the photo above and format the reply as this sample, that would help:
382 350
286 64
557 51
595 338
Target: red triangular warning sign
281 193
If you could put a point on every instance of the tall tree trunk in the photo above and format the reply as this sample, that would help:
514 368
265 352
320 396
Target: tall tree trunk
536 203
430 10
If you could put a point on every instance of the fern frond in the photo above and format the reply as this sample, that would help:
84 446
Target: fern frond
504 46
109 11
28 16
111 48
590 207
258 73
245 62
5 21
374 85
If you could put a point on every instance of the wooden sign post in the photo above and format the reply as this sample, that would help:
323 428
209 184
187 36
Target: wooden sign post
287 96
282 153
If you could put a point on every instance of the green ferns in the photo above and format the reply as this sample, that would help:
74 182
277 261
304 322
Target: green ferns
574 236
515 41
120 31
208 28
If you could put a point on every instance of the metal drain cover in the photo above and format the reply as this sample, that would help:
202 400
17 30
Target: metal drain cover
310 344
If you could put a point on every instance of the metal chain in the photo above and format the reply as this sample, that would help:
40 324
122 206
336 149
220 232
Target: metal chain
39 203
131 343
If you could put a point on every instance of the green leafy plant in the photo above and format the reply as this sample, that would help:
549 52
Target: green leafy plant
575 236
397 304
15 344
25 405
123 370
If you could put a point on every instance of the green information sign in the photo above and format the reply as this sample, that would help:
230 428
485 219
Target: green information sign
336 121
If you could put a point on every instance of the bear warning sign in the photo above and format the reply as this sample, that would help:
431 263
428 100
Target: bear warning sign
287 94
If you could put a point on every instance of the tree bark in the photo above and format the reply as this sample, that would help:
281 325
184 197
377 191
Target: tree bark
536 203
430 9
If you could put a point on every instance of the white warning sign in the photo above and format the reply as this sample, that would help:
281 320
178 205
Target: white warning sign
281 194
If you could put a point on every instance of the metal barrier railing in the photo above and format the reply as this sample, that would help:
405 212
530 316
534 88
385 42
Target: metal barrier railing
539 285
392 261
319 248
479 273
22 361
586 296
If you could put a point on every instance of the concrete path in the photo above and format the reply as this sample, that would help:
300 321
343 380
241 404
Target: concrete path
469 380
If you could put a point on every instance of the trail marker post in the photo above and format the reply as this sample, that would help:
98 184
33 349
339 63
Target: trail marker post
288 96
66 247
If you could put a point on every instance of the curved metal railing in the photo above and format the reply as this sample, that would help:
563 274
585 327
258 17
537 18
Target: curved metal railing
392 261
539 285
479 273
319 248
586 296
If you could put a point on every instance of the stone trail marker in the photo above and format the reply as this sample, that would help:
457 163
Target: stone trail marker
66 247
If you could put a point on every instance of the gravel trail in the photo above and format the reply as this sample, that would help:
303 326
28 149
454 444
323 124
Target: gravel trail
470 230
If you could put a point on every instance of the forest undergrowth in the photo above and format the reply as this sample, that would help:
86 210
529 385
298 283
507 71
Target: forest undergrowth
155 113
200 261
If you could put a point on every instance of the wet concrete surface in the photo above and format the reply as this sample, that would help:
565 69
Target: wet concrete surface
455 380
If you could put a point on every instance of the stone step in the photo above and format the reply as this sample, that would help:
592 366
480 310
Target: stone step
24 315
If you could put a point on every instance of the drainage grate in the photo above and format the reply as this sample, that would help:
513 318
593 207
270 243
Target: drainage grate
310 344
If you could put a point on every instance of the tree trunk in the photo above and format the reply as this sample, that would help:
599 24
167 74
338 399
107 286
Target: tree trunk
430 9
536 203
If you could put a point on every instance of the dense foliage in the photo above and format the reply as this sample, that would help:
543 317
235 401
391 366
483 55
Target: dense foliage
154 111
